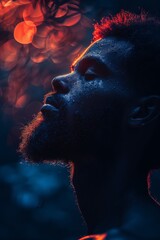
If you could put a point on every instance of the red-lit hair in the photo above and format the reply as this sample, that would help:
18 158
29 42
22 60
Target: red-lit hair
143 32
114 25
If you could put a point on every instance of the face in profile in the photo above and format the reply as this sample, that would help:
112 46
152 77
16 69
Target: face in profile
86 112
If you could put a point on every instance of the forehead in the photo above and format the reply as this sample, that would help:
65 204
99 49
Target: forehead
111 51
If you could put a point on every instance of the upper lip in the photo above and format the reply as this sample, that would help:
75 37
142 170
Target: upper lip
51 105
51 99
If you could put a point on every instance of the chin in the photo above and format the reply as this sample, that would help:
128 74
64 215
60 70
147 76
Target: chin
45 139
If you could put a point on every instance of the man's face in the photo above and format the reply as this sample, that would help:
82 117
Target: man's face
86 114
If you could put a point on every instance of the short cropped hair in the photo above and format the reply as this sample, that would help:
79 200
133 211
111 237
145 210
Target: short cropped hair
143 32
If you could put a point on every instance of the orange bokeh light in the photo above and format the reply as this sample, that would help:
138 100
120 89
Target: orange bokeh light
21 101
62 11
11 52
24 32
33 14
72 19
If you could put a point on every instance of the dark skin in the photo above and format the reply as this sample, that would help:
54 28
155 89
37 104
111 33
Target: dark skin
109 124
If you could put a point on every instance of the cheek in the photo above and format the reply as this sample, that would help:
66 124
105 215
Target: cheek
87 95
93 101
90 109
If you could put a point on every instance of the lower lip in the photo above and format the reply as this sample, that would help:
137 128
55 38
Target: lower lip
47 109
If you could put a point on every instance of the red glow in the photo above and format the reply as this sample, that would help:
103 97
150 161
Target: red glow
33 14
6 3
24 32
95 237
109 24
62 11
72 19
11 51
21 101
36 32
38 58
12 3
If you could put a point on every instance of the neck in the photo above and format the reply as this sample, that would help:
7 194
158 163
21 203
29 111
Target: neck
112 197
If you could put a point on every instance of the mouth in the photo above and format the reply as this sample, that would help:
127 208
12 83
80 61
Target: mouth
51 106
48 109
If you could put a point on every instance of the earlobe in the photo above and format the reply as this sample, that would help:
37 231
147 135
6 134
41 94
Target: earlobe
146 111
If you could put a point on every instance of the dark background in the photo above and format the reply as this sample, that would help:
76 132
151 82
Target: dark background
37 201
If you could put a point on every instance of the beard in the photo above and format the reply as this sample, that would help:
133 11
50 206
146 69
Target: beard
59 137
45 138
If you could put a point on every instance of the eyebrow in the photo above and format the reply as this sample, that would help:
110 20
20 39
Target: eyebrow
89 61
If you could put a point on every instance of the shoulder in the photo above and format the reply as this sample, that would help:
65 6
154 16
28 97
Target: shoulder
113 234
102 236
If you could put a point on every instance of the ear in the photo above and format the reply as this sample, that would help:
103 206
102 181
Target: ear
145 111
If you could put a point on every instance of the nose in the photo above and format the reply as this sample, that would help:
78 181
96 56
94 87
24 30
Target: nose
60 84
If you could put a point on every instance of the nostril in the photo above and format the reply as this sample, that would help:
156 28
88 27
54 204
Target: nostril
60 86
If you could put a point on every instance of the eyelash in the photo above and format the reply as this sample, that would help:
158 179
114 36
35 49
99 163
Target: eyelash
89 76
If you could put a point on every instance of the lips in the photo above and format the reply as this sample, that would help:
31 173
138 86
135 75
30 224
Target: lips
50 107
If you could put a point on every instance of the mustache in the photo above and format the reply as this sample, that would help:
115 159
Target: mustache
54 99
50 94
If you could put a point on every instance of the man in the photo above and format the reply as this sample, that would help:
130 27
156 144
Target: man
104 118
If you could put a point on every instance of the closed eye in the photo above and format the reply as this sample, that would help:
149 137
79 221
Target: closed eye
90 67
90 75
